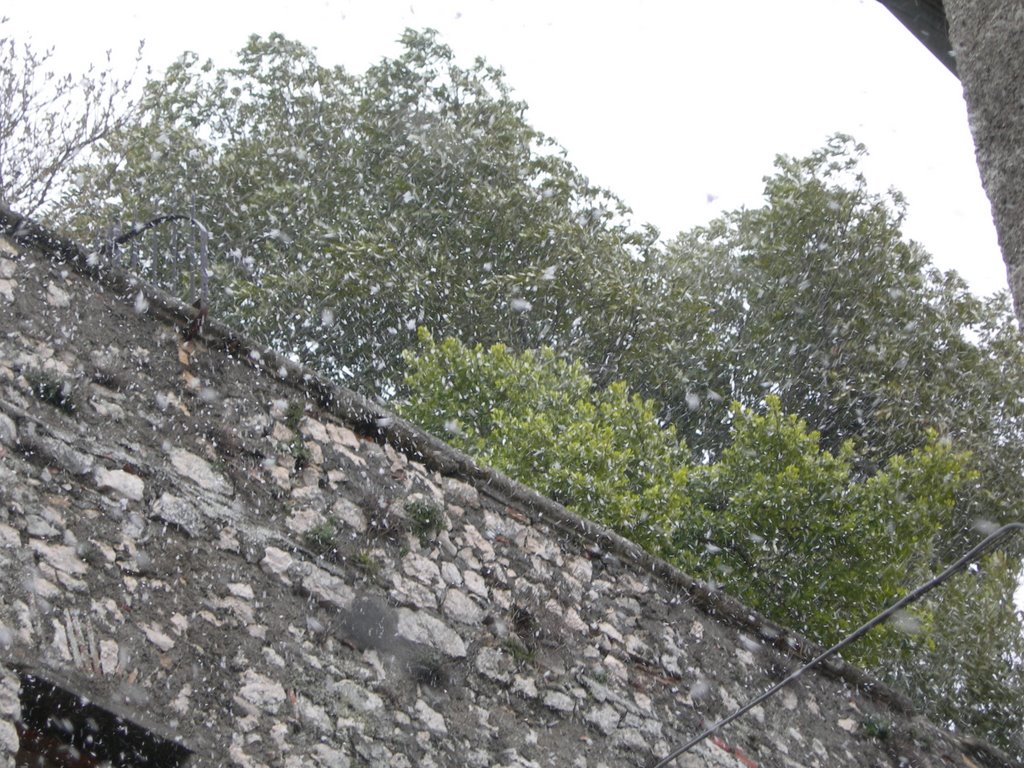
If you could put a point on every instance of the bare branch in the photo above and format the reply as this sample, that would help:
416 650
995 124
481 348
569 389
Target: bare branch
48 121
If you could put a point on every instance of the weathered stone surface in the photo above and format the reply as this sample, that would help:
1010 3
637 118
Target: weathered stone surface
558 701
39 528
109 657
328 588
327 757
281 433
9 743
348 513
605 718
432 719
357 697
421 627
410 592
482 548
421 568
199 471
57 296
177 511
264 692
314 430
10 706
460 493
304 519
7 288
60 453
514 636
494 665
475 583
8 430
277 561
451 574
61 557
124 483
460 607
157 637
243 591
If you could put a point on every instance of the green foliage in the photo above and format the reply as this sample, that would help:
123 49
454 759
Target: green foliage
801 533
323 539
300 452
426 519
367 562
877 728
817 298
520 652
796 532
294 413
601 452
968 666
345 210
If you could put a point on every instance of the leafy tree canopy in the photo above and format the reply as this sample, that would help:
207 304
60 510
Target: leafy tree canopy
346 210
602 452
816 298
790 528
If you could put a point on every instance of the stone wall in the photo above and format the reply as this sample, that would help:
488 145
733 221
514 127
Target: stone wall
219 548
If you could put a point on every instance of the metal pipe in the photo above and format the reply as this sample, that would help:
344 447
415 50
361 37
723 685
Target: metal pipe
928 586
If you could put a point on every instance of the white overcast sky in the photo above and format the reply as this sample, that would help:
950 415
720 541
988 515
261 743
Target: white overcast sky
677 107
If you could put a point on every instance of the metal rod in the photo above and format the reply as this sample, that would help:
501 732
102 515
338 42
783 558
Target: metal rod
928 586
118 238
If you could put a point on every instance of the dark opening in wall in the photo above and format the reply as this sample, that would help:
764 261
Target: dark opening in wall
60 729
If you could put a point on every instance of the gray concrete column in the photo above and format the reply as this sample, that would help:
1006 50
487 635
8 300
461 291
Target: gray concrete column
988 41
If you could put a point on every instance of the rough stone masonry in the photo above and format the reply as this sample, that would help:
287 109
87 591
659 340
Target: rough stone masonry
208 547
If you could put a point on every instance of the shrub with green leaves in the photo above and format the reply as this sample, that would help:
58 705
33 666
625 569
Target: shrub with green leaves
601 452
796 532
805 535
786 526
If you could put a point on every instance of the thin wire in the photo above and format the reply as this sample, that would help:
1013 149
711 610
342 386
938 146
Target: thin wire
968 557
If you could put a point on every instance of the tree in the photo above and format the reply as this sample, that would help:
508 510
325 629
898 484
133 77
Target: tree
347 210
816 298
601 452
798 533
787 527
47 122
969 664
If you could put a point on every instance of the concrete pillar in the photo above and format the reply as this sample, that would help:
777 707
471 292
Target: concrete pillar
988 41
